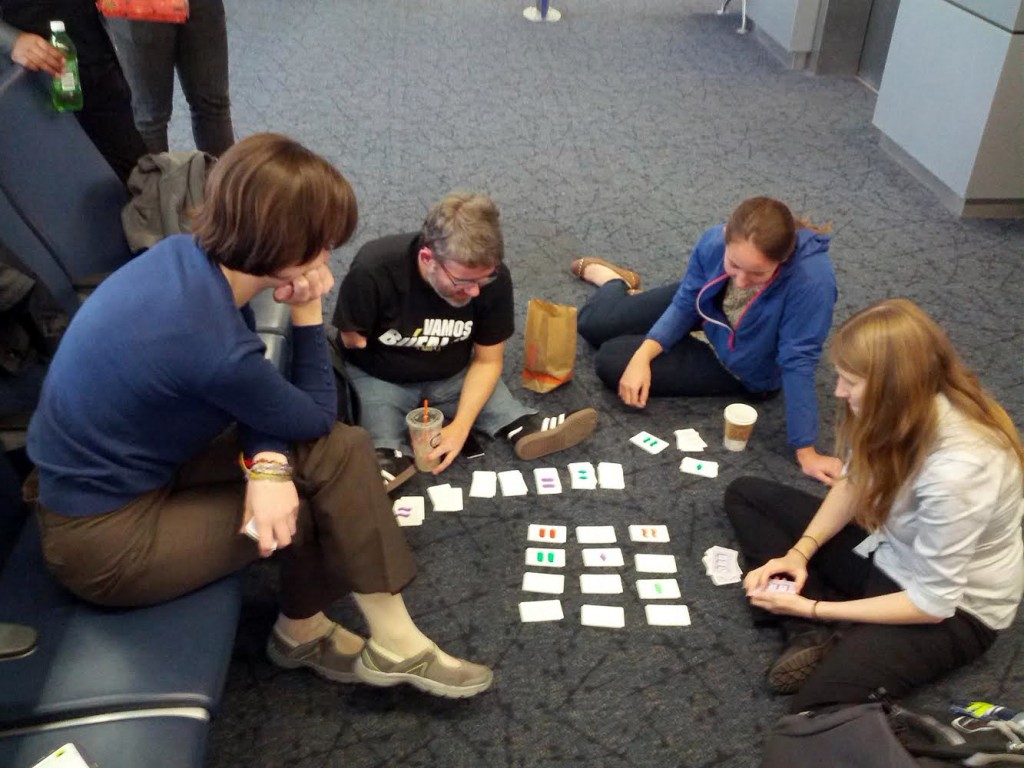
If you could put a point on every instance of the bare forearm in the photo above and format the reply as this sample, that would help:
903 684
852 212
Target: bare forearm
481 379
895 608
835 512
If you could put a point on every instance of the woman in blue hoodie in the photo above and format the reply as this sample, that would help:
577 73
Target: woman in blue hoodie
749 317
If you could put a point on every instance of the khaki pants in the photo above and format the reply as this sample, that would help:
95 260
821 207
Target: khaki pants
185 535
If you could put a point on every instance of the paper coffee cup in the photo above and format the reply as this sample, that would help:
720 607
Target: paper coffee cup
739 423
424 435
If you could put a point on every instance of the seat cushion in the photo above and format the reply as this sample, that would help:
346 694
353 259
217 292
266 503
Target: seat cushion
92 659
157 741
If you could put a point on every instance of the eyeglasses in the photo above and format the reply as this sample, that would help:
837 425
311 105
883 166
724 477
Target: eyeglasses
463 282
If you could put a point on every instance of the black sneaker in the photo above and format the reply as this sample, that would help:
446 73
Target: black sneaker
799 659
535 436
395 468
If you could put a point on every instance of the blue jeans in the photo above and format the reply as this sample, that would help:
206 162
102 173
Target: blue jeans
150 52
383 406
617 324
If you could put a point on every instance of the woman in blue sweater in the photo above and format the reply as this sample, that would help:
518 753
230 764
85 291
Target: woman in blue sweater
749 317
161 383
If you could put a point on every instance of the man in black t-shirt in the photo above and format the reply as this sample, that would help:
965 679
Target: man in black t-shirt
426 315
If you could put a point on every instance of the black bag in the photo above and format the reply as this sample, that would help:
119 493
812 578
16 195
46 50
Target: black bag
348 400
856 736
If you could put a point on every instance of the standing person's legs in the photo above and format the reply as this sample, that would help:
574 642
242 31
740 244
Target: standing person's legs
146 51
202 63
162 545
107 116
611 311
383 406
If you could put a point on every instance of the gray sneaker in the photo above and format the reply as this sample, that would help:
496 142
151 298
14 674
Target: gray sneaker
424 671
318 655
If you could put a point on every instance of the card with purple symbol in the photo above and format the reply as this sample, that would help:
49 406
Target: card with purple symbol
409 510
547 480
610 557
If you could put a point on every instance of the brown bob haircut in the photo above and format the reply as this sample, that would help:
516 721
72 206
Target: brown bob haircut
270 204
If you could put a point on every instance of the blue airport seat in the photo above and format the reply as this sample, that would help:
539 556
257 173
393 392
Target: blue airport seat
157 739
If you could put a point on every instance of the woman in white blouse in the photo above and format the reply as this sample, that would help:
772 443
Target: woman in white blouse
934 475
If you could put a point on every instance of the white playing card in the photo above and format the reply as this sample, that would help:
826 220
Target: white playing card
541 610
512 483
655 563
649 534
545 558
611 616
780 585
485 485
692 466
657 589
648 442
603 558
546 480
609 476
448 501
689 441
437 493
582 476
595 534
600 583
667 615
550 583
546 534
408 510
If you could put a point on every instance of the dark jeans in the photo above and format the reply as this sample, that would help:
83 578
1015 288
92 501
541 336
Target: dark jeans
180 537
768 518
617 324
106 116
150 52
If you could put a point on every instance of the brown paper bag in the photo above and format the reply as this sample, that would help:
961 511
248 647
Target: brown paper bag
549 348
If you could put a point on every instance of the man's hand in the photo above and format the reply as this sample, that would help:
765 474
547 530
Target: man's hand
274 505
311 285
352 339
453 437
35 53
827 469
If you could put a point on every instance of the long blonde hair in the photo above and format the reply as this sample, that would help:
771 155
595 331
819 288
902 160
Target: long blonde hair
906 360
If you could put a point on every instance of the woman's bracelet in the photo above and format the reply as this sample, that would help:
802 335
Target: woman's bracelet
805 557
817 546
814 610
266 470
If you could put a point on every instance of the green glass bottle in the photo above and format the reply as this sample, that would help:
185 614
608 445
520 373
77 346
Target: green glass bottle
66 90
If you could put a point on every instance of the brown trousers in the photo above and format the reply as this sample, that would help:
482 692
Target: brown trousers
185 535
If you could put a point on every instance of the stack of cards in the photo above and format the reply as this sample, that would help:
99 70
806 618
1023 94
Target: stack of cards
512 483
445 498
484 485
408 510
780 585
689 441
609 476
722 565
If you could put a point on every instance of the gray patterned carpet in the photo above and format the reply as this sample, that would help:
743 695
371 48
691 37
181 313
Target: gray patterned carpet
625 130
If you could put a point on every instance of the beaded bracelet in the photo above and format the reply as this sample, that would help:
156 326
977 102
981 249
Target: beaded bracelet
265 470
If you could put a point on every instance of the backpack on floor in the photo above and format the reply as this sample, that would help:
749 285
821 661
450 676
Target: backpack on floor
951 739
